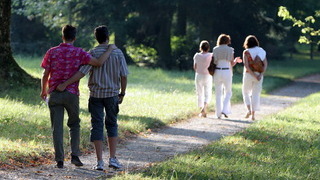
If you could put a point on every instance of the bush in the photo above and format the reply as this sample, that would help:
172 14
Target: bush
142 55
183 50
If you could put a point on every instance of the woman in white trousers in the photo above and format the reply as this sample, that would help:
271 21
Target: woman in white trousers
203 80
252 80
224 59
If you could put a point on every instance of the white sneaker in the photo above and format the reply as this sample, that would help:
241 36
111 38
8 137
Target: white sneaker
114 163
99 166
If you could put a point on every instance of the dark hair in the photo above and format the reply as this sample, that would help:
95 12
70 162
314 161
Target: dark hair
69 32
204 46
250 41
223 39
101 33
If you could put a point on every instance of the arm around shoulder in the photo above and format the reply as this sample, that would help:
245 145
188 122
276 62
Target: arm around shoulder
99 62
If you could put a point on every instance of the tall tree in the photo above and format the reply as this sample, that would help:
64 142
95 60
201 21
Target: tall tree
181 27
10 71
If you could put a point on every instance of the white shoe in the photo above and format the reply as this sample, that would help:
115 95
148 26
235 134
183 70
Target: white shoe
114 163
99 166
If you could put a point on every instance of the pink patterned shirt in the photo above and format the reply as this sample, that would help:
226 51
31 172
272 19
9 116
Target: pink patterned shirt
63 62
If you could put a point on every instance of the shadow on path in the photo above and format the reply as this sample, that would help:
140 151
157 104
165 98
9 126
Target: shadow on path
179 138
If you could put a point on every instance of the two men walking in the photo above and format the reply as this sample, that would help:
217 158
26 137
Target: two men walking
107 84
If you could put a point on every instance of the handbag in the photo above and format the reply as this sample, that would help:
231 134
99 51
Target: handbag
255 64
212 66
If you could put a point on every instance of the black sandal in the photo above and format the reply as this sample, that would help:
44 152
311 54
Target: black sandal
224 115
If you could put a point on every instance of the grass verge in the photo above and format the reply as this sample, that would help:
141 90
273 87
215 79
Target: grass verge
283 146
154 98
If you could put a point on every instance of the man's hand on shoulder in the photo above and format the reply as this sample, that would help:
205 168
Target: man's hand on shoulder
112 47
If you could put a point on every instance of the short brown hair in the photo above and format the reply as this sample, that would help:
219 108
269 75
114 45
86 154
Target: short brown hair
250 41
101 33
223 39
204 46
69 32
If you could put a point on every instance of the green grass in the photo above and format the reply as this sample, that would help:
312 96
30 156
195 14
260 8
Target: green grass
304 52
154 98
282 146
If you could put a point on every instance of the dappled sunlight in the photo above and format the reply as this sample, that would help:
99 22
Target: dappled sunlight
164 105
156 98
20 147
284 145
30 64
143 76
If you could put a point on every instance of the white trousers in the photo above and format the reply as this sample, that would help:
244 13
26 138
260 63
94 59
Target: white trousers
251 90
223 91
203 84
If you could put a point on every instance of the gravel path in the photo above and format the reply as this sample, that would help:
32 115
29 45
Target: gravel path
164 143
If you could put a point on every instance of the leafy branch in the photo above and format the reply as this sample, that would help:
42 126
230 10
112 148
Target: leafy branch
307 25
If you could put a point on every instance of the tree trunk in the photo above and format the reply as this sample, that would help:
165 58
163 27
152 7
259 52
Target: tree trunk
311 50
181 29
10 71
164 43
206 32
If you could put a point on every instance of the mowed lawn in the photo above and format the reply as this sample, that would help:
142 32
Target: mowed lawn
282 146
154 98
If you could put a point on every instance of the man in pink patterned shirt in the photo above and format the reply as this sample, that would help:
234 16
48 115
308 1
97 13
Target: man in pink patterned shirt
59 64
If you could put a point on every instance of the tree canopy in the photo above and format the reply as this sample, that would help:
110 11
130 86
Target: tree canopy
171 29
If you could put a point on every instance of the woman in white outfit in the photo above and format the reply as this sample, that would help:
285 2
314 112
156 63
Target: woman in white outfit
252 80
203 80
224 59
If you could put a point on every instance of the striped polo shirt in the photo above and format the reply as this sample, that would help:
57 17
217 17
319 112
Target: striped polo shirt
104 81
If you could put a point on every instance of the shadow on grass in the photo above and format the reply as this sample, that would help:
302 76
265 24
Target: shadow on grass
28 95
26 131
270 155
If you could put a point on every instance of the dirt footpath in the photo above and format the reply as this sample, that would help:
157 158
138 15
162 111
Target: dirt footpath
179 138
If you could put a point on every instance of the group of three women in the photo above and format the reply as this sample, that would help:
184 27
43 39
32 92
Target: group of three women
223 57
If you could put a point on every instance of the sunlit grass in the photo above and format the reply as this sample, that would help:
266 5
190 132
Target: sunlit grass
291 69
24 128
154 98
282 146
304 52
30 64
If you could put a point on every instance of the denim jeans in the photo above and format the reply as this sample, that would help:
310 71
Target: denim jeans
57 103
97 106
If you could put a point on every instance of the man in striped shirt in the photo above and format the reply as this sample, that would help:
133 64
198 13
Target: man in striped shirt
60 63
104 84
